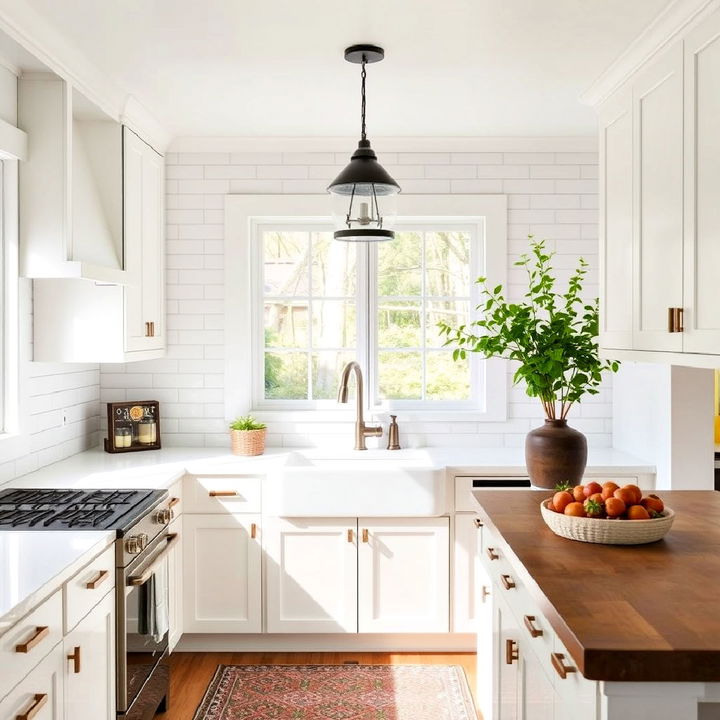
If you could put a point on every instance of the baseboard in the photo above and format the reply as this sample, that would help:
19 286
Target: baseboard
327 643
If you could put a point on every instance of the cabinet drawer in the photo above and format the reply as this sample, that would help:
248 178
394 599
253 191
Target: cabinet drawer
29 641
87 587
222 494
579 698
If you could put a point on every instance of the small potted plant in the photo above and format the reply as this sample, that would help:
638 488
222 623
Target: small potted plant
552 336
247 436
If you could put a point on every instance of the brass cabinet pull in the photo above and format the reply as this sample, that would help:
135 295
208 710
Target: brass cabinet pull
102 576
560 667
147 330
365 535
74 657
41 632
679 313
173 502
152 328
350 535
39 701
484 593
530 625
511 651
671 320
253 530
478 523
171 539
492 554
507 581
222 493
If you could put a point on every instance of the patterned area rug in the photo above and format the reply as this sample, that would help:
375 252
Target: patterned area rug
337 692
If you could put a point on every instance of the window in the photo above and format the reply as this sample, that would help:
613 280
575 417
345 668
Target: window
311 304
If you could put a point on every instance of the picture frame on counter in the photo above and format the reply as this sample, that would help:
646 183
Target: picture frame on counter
133 426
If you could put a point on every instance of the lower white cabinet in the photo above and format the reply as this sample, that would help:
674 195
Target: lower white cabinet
403 575
311 575
89 651
175 583
40 694
506 666
222 562
469 586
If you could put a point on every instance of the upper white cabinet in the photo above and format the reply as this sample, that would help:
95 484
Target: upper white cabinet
71 223
659 216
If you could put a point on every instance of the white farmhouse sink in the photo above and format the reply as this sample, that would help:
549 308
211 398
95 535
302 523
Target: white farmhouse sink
366 484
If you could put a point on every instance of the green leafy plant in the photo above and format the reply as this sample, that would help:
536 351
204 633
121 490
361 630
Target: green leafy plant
246 422
552 335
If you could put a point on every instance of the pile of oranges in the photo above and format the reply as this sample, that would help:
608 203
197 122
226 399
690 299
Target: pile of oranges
606 501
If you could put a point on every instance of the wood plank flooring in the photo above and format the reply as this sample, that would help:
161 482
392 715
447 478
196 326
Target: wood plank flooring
192 672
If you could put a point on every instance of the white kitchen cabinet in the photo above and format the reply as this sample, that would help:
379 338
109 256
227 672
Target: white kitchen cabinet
40 694
222 576
616 222
175 582
144 188
702 188
89 651
470 582
658 174
311 575
575 697
506 665
538 691
403 575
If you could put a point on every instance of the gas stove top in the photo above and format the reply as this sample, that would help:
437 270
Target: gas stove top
41 509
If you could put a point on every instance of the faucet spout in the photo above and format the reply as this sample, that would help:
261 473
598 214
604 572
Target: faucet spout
361 429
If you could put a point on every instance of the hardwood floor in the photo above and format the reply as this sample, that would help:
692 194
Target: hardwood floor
191 672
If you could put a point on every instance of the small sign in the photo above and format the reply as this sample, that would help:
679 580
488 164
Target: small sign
133 426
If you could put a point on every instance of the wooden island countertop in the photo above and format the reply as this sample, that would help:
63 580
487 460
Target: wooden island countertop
625 613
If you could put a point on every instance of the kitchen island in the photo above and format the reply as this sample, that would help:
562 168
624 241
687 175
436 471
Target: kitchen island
599 631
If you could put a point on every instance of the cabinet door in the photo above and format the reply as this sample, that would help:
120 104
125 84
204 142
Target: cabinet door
175 581
143 187
403 575
41 690
90 664
222 563
702 188
483 619
658 149
576 698
468 597
311 571
537 691
616 222
506 670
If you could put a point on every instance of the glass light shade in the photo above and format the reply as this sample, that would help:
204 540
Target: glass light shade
364 199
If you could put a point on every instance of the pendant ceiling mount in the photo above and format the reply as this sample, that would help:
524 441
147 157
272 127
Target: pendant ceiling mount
364 193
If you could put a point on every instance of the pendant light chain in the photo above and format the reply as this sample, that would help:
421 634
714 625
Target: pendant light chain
363 75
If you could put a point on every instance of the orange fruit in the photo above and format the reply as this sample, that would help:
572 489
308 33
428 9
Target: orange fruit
591 488
638 512
626 495
653 502
614 507
561 500
594 508
637 492
579 493
608 489
575 509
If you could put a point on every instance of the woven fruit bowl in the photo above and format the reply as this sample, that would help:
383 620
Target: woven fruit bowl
607 531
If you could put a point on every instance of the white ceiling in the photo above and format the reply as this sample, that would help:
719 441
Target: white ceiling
275 67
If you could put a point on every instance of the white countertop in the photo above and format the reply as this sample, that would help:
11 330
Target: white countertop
35 564
161 468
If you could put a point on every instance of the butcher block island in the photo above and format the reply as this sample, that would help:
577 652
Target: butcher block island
598 632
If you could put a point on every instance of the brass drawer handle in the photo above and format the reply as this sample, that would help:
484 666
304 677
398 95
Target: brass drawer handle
41 632
511 651
478 523
147 330
173 502
679 314
253 530
484 593
530 625
102 576
39 701
350 535
560 667
365 535
222 493
492 554
507 581
671 320
74 658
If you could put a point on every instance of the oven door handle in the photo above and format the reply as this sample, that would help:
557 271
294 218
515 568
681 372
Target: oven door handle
136 580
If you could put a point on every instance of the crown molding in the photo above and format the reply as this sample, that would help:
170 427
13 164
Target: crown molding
579 143
670 24
138 118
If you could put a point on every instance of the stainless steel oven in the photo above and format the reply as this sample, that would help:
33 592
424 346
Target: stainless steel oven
142 624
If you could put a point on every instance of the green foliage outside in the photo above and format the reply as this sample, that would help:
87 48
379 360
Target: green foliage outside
246 422
553 335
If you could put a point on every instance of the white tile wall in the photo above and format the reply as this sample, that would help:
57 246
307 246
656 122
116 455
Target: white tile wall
551 194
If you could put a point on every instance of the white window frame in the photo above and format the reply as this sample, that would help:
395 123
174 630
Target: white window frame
243 216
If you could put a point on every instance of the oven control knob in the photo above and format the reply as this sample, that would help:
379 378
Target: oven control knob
133 545
164 516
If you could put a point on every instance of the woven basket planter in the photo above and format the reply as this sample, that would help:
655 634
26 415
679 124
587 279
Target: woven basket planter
247 442
607 532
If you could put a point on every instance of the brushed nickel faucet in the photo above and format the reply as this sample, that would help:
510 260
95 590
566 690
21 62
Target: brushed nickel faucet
361 429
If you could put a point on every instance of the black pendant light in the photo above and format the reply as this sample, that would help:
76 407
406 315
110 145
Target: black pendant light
364 195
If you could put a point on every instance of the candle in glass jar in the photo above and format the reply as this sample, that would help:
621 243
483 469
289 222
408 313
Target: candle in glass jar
123 437
147 431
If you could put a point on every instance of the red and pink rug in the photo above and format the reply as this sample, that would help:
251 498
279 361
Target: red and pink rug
337 692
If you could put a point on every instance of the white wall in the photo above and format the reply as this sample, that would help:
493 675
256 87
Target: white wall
47 388
552 193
